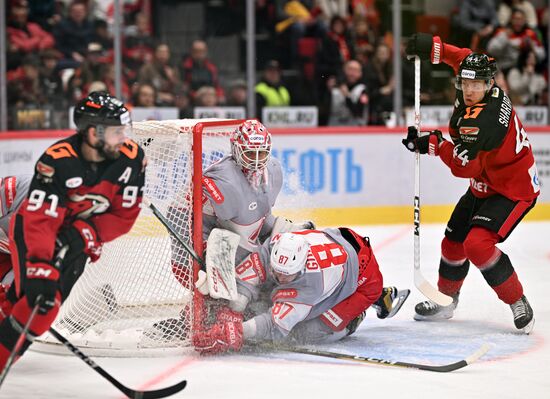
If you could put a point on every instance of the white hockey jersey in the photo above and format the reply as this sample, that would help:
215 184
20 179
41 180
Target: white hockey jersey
13 191
230 202
331 274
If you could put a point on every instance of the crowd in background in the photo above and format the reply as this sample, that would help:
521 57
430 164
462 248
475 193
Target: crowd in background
334 54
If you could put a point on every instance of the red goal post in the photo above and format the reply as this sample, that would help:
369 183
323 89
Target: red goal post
139 298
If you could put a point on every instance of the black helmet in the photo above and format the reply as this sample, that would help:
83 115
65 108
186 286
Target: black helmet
477 66
100 109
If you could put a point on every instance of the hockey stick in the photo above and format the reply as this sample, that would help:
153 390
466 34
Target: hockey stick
445 368
169 227
20 340
131 393
420 282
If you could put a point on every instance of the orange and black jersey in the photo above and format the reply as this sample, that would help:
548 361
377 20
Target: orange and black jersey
490 145
66 187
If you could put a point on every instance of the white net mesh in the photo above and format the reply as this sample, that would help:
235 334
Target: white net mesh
136 300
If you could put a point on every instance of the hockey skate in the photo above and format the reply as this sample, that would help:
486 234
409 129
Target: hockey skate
523 315
390 302
352 326
429 310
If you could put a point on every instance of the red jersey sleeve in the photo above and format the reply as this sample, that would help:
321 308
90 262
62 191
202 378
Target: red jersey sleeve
447 53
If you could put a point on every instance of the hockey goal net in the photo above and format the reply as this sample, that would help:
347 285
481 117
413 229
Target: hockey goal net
138 300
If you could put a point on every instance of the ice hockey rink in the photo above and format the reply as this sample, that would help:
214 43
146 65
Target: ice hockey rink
516 366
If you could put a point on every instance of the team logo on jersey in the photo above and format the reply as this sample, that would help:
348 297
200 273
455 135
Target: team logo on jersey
87 205
468 134
74 182
252 206
284 294
211 187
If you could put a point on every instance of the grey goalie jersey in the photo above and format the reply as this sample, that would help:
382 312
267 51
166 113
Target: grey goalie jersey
13 191
330 276
231 202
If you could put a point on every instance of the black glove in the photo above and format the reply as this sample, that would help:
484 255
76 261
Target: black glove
427 143
41 283
420 44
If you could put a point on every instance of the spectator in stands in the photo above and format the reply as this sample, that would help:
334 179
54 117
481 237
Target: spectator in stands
198 71
145 95
25 91
73 34
333 8
379 80
237 94
24 37
363 37
525 81
139 47
45 13
349 99
506 7
50 79
270 91
102 35
336 48
108 77
508 42
475 17
206 96
366 10
161 75
90 70
294 21
184 105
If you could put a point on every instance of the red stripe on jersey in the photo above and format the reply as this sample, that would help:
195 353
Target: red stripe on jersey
513 217
214 191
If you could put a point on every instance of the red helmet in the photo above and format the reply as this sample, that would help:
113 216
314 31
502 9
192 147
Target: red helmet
251 145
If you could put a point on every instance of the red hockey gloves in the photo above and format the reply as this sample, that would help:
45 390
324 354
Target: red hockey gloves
220 338
426 143
420 44
81 237
41 280
226 314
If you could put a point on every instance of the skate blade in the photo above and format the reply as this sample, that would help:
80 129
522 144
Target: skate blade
529 327
398 302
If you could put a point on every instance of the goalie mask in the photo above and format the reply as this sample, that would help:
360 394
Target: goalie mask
251 145
288 257
108 115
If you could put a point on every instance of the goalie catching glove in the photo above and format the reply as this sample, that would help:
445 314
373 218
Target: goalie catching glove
81 236
225 335
425 142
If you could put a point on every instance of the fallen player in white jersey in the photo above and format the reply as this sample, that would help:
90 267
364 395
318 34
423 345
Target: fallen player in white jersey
323 282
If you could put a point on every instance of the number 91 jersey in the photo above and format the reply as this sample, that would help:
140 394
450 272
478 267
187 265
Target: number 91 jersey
66 187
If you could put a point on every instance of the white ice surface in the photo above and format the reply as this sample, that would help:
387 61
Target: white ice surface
517 366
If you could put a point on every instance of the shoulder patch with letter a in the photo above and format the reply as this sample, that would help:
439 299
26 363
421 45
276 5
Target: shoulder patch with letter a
214 191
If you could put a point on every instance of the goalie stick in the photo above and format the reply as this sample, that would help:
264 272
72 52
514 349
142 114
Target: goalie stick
420 282
445 368
131 393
